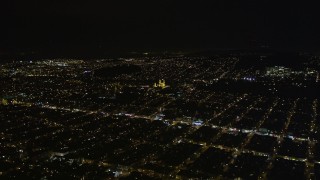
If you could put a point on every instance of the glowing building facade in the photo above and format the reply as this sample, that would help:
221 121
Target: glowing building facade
161 84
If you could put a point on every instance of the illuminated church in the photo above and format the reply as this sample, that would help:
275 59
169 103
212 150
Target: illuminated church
161 84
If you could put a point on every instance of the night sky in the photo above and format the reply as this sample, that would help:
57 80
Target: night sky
159 24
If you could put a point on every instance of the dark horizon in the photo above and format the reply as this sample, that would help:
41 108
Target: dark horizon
165 25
